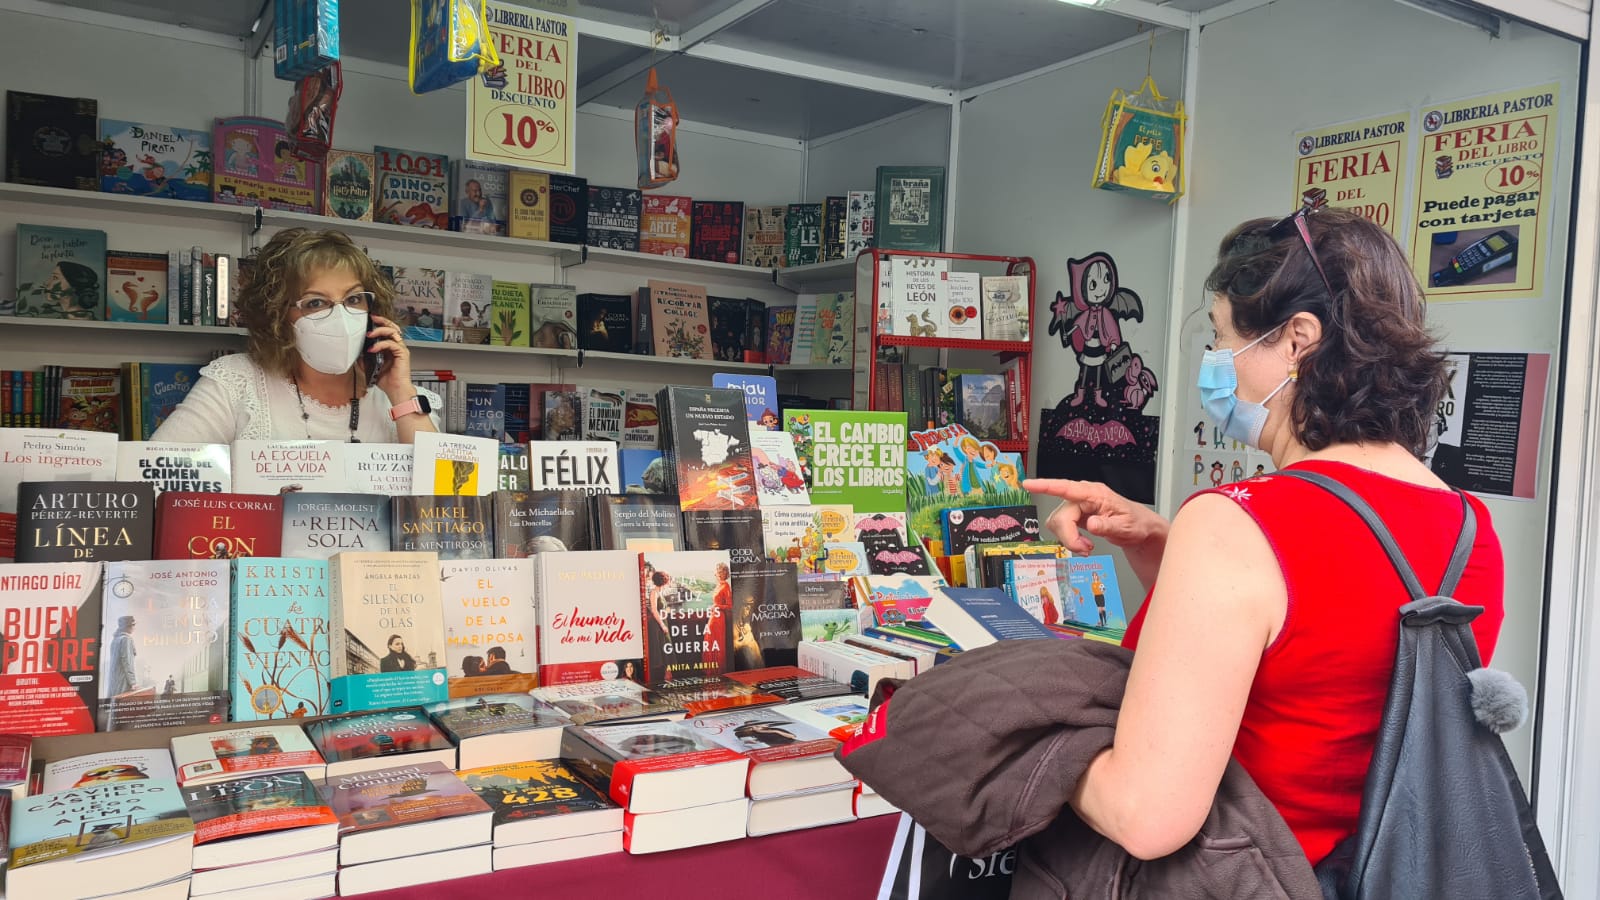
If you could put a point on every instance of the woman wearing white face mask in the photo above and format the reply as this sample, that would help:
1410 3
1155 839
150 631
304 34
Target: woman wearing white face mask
310 303
1270 632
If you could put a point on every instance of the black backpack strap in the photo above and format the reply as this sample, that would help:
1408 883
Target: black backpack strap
1408 575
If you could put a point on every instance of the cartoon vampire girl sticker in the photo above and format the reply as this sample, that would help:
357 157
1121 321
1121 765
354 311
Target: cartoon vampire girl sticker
1087 322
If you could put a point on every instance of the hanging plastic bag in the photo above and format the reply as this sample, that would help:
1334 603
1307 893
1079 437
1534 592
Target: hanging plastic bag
655 135
312 106
1141 144
305 37
450 43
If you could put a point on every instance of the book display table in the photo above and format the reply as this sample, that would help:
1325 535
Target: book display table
839 862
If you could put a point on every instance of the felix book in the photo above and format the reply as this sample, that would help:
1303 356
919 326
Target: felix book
279 655
317 525
349 178
49 663
589 625
164 640
387 630
413 188
84 521
686 599
532 522
203 525
490 622
589 467
451 527
360 742
51 141
707 448
155 161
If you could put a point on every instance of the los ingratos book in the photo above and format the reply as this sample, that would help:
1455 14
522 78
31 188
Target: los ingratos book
686 601
589 624
164 645
363 741
81 521
199 468
531 522
489 625
385 813
541 800
133 834
258 817
316 526
452 527
246 749
587 466
387 630
279 655
155 161
413 188
204 525
491 729
38 454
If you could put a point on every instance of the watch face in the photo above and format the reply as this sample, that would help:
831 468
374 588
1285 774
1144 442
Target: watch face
423 404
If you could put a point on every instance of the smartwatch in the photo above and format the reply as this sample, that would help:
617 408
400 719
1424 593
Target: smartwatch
417 404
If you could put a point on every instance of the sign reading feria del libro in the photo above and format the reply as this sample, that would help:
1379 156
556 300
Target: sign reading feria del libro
1483 207
523 112
1361 166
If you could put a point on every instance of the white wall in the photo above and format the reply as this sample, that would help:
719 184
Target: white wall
850 162
1250 103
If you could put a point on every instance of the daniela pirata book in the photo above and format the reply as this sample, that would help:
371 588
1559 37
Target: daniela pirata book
49 662
155 161
279 653
164 639
387 630
686 598
490 623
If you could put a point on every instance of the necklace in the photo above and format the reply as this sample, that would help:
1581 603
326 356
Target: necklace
355 407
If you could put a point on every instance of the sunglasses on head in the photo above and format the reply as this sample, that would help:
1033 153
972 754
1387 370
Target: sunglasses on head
1295 223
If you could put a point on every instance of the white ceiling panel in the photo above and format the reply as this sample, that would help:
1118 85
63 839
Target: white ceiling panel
230 17
1194 5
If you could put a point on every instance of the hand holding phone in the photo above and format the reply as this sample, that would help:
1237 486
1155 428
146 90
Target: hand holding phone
371 360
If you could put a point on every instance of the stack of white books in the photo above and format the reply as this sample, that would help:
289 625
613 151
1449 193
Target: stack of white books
544 813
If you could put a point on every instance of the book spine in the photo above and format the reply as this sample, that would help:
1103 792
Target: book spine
224 289
208 289
53 398
7 414
30 410
185 287
129 430
590 763
174 283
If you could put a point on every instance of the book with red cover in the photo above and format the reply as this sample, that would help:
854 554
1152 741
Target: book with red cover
194 525
50 655
654 766
717 231
229 817
664 225
363 741
700 695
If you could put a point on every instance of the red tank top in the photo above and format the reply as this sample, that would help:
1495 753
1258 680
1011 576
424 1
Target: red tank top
1312 718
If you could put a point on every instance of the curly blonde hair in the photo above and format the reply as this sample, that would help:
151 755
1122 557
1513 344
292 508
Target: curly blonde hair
280 273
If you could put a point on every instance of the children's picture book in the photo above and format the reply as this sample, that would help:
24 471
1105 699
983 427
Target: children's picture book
61 272
827 624
664 225
455 465
254 165
900 599
780 332
468 299
844 559
760 398
833 342
951 469
717 231
164 644
52 141
490 624
1095 603
589 617
903 559
553 316
511 310
709 448
614 217
528 205
779 479
387 630
136 286
1005 308
349 178
278 651
854 458
56 668
413 188
478 192
795 534
687 598
1037 586
155 161
155 390
419 302
988 525
764 236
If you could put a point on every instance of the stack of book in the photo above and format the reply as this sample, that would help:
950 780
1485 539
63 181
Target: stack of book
408 825
795 782
265 836
544 813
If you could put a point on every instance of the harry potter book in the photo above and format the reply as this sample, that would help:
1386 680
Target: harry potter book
542 800
51 627
348 179
451 527
198 525
387 630
614 217
490 622
528 523
72 844
84 521
686 600
227 753
589 626
569 209
413 188
52 141
316 526
279 650
164 658
717 231
494 729
364 741
256 818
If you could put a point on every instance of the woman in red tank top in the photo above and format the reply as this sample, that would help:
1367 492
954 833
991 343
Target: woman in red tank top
1270 631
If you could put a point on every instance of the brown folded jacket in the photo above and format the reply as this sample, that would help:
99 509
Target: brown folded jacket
985 751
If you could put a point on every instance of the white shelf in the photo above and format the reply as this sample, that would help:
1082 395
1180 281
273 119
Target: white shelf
562 254
834 272
181 331
703 268
96 200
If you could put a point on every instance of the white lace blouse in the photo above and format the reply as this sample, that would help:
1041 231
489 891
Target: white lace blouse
235 400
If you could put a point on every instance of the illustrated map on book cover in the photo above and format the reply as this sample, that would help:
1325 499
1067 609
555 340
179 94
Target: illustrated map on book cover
49 664
687 599
709 448
387 629
490 625
855 458
164 656
155 161
279 653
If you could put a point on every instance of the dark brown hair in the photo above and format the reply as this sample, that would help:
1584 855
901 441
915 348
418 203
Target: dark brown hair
280 273
1376 374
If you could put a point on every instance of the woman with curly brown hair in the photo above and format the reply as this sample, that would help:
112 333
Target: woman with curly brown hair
311 301
1270 631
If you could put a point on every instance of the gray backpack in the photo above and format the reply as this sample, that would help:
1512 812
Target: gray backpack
1442 812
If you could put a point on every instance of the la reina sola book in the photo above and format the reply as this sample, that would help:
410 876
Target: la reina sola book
164 645
49 663
204 525
406 811
76 844
279 655
490 729
490 625
258 818
588 605
362 742
387 630
250 750
316 526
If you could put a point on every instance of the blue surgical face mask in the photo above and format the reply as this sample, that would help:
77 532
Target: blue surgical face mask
1241 420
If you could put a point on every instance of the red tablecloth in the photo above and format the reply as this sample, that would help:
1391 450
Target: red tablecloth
839 862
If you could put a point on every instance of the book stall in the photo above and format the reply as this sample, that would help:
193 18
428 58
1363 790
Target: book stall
732 425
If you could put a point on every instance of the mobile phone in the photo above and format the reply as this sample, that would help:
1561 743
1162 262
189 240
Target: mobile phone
1481 257
371 360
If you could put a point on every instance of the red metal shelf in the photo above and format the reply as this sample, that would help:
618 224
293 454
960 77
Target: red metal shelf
902 340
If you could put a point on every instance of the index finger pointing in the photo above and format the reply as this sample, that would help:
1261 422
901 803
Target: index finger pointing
1064 488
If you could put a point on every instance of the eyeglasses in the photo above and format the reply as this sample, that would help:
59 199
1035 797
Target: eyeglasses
1295 223
320 307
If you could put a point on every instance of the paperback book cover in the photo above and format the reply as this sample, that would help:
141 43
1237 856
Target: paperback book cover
258 749
802 234
910 208
468 299
164 630
1096 600
280 467
136 286
450 527
419 302
84 521
255 804
589 616
610 757
602 414
728 317
792 683
1038 587
61 272
383 469
253 166
779 479
479 193
700 695
370 735
96 821
765 734
586 466
854 458
680 324
413 188
641 421
538 791
834 211
49 670
687 599
89 398
717 231
387 630
489 726
511 303
766 614
52 141
316 526
859 221
155 161
279 651
486 410
451 465
638 522
614 217
490 625
197 468
108 767
1005 308
664 225
553 316
605 322
723 529
764 236
963 318
527 523
528 198
398 796
708 448
780 332
348 181
514 468
643 471
191 525
834 341
569 209
609 700
981 406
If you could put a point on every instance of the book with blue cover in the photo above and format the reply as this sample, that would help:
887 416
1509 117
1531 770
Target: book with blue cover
1094 601
155 161
977 617
486 410
279 646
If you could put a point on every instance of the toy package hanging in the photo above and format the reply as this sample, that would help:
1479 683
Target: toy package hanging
1141 144
655 135
312 106
305 37
450 43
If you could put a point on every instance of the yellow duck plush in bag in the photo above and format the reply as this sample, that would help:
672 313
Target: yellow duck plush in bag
1144 169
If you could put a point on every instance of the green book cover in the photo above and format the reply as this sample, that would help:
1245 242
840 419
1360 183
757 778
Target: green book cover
855 458
511 302
802 234
910 207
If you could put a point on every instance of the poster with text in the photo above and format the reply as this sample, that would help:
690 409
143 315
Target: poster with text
1489 423
523 112
1361 165
1482 208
